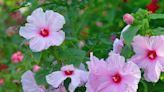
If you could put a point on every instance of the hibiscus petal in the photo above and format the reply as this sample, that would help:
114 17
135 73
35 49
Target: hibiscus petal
116 61
55 21
152 72
140 44
29 31
101 67
29 83
55 78
57 38
161 61
131 76
37 18
37 44
75 82
158 45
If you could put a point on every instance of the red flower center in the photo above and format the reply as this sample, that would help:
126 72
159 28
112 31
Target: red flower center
152 55
44 32
116 78
68 72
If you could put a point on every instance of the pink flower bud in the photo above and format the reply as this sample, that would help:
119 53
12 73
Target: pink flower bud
36 68
128 19
17 57
113 37
1 81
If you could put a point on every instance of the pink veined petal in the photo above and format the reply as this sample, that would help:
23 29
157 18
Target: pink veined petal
141 44
158 45
110 88
92 83
96 66
152 72
60 89
140 60
29 83
37 44
37 18
55 78
75 82
161 61
83 76
57 38
131 76
82 67
55 21
95 82
132 70
103 86
116 61
29 31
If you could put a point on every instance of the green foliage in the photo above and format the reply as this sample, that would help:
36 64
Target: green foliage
130 33
90 21
156 16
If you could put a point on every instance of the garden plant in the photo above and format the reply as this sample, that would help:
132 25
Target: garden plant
81 46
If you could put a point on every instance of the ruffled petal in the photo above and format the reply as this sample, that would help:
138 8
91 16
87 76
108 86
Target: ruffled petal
75 82
29 31
29 83
37 18
37 44
55 21
161 61
83 76
116 61
140 60
158 45
152 72
110 88
131 75
55 78
96 66
57 38
141 44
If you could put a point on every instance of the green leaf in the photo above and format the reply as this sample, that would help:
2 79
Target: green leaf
130 33
158 31
157 16
126 52
72 56
40 76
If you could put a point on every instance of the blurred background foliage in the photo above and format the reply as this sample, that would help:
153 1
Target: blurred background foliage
92 23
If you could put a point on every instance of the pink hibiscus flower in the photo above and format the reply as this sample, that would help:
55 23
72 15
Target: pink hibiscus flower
29 84
69 71
114 75
43 29
149 55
